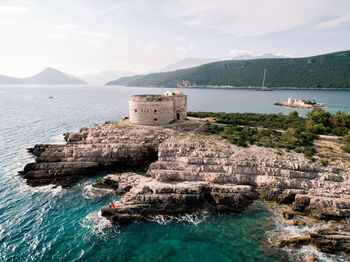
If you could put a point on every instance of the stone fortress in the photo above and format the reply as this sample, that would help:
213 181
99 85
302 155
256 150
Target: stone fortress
157 109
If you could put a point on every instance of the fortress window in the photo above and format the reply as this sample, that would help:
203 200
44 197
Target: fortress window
135 110
155 110
156 119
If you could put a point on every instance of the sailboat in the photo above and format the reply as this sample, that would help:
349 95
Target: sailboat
263 88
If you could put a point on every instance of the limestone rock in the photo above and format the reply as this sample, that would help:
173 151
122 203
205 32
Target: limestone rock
142 197
331 240
188 172
100 147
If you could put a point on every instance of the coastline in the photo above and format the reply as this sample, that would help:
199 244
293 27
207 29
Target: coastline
187 171
257 88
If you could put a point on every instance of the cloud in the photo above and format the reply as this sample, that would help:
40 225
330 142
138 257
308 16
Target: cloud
66 27
94 34
91 9
238 52
333 23
183 50
14 9
151 47
252 17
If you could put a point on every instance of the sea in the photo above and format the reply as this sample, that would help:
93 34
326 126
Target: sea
65 224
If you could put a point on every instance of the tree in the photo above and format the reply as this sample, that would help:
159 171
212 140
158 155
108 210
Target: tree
346 139
318 121
341 123
291 137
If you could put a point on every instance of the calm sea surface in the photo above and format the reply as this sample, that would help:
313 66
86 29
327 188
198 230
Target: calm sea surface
45 223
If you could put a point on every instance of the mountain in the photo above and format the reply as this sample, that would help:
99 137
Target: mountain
323 71
124 81
248 57
188 63
49 76
104 76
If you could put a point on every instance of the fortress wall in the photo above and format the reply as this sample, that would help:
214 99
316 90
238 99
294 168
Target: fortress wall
151 110
180 106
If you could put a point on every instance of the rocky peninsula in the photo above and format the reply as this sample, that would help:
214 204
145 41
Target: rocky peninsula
188 170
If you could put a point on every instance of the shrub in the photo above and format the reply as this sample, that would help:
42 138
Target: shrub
341 123
318 121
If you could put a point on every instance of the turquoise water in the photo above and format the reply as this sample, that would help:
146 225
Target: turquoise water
45 223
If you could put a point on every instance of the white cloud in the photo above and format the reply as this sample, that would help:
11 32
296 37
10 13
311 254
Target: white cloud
282 54
14 9
183 50
94 34
50 35
91 9
66 27
252 17
97 44
333 23
151 47
238 52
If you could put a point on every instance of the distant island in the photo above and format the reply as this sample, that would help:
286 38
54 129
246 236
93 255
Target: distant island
317 72
300 103
49 76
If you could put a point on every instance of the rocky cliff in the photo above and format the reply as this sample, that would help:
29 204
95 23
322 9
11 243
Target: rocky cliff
190 172
107 146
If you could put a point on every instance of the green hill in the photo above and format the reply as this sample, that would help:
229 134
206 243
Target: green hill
323 71
124 81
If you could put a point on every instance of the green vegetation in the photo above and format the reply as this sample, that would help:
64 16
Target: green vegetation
324 71
291 139
346 139
277 130
123 81
273 121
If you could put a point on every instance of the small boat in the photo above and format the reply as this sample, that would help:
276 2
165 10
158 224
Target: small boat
263 88
50 97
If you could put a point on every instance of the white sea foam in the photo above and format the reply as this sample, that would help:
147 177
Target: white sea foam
194 218
97 223
59 139
282 228
53 190
306 251
90 192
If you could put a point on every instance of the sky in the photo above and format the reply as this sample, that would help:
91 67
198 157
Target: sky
88 36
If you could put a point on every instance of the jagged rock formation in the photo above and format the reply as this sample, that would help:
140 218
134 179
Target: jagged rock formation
190 172
100 147
287 178
143 197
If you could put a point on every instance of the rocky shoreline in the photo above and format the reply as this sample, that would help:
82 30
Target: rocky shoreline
301 106
188 171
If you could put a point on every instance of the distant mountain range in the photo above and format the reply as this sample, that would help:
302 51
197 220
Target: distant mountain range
104 76
323 71
49 76
249 57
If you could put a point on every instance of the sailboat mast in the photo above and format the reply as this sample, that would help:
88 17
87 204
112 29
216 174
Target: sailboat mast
262 87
